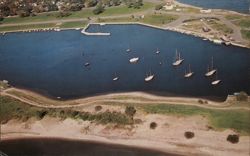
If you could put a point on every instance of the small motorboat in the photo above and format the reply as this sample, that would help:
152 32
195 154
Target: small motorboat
115 78
216 81
157 51
86 64
134 60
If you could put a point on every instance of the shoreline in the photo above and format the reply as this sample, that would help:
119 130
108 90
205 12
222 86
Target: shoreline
202 36
140 136
98 140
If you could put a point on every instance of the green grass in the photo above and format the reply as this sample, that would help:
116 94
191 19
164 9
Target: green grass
80 24
245 34
220 27
233 17
220 119
243 23
159 19
27 27
14 109
120 10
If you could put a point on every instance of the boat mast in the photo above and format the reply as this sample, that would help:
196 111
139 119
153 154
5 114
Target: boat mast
212 63
189 69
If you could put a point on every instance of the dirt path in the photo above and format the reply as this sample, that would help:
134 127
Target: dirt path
132 97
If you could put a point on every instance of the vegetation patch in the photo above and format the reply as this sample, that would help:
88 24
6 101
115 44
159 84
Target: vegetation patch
189 135
153 125
13 109
245 34
233 138
220 119
159 19
217 25
27 27
78 24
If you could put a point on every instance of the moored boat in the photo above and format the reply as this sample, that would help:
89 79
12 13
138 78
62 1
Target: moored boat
134 60
149 77
157 51
211 71
189 74
216 81
178 59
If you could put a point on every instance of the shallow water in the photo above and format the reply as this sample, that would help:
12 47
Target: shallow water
63 147
53 62
235 5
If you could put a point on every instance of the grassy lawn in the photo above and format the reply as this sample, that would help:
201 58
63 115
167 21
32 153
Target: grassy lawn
13 109
159 19
79 14
245 34
27 27
243 23
217 25
219 119
80 24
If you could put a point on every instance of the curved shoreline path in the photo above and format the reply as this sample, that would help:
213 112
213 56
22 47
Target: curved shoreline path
133 97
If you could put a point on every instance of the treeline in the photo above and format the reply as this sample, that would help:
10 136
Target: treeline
25 8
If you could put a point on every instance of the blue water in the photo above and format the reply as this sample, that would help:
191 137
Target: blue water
64 147
53 62
235 5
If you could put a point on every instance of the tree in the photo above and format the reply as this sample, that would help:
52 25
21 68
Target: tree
158 7
90 3
130 111
242 96
99 9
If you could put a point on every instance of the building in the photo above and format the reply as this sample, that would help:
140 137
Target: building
169 5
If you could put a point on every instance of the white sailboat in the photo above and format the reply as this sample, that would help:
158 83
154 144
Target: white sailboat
115 78
128 50
178 59
216 81
149 77
211 71
134 60
189 74
157 51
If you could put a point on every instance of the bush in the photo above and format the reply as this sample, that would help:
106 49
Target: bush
137 121
98 108
158 7
153 125
233 138
99 9
200 101
130 111
41 114
242 96
63 14
189 135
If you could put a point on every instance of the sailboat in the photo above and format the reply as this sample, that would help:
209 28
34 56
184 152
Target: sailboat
115 78
211 71
189 74
178 59
216 81
157 51
86 64
149 77
134 60
128 50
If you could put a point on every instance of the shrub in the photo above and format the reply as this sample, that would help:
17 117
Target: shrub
189 135
153 125
137 121
41 114
242 96
98 108
233 138
130 111
99 9
63 14
158 7
200 101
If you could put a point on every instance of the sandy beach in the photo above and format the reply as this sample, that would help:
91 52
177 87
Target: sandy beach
167 137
